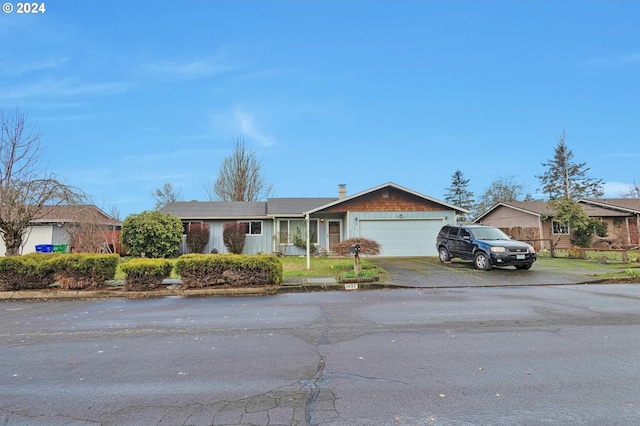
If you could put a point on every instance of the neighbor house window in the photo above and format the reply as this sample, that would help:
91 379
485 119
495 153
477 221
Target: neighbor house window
252 228
290 229
560 228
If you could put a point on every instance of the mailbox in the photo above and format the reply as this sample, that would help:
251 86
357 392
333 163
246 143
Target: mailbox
355 248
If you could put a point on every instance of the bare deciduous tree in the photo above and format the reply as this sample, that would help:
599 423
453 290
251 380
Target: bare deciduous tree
633 192
165 195
27 189
502 190
240 177
91 230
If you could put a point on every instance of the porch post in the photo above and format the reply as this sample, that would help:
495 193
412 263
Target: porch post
306 218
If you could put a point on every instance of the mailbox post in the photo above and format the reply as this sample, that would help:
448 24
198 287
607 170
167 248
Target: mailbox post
355 249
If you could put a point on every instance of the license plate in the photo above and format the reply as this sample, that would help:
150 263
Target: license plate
520 256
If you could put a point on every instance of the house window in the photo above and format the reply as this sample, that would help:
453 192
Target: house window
187 225
560 228
252 228
291 229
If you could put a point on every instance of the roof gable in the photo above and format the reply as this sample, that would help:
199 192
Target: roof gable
389 185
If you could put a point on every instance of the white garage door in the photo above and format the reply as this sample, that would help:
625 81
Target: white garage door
406 237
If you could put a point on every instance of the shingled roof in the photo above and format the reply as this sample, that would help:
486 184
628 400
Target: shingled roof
629 205
201 210
592 207
73 213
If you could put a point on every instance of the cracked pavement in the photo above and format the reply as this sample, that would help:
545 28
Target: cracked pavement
389 357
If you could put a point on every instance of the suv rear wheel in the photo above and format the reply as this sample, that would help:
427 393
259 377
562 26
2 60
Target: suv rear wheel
482 261
443 254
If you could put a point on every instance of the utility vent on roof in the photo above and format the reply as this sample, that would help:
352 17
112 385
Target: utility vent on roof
385 193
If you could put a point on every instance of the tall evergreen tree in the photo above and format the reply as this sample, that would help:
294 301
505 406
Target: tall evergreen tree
564 183
458 194
566 179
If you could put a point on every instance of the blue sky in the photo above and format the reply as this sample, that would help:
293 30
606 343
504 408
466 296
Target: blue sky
132 94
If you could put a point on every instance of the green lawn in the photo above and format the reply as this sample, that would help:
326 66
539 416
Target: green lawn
294 266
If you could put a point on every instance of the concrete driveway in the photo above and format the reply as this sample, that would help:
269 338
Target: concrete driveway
430 273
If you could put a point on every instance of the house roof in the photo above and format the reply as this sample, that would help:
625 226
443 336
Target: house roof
387 185
201 210
592 207
73 213
281 207
288 206
628 205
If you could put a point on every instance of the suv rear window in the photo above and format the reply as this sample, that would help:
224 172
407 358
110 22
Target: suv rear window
453 232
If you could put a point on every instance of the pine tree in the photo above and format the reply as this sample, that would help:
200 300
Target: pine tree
566 179
458 194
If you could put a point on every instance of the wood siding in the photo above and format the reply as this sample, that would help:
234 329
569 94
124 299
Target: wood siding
385 199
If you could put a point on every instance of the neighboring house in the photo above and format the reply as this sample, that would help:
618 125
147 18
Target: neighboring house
533 221
403 221
72 225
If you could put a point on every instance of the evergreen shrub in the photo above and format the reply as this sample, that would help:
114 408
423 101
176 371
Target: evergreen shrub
27 272
202 270
145 274
84 271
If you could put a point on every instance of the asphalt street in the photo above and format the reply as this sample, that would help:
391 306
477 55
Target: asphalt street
540 355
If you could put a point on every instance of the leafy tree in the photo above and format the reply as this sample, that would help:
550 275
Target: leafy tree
240 177
27 190
566 179
583 226
152 234
458 194
197 237
501 190
165 195
234 236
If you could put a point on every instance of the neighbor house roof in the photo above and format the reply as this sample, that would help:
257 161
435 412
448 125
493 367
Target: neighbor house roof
74 213
628 205
592 208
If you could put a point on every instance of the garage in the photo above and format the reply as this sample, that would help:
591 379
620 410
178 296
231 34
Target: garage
405 237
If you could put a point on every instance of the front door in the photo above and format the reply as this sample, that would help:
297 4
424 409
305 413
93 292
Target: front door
334 232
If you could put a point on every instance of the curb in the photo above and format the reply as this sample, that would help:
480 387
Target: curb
291 285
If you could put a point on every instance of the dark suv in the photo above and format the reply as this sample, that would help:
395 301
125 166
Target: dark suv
486 246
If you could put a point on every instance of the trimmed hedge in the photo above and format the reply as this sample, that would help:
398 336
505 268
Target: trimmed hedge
202 270
145 274
84 271
28 272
